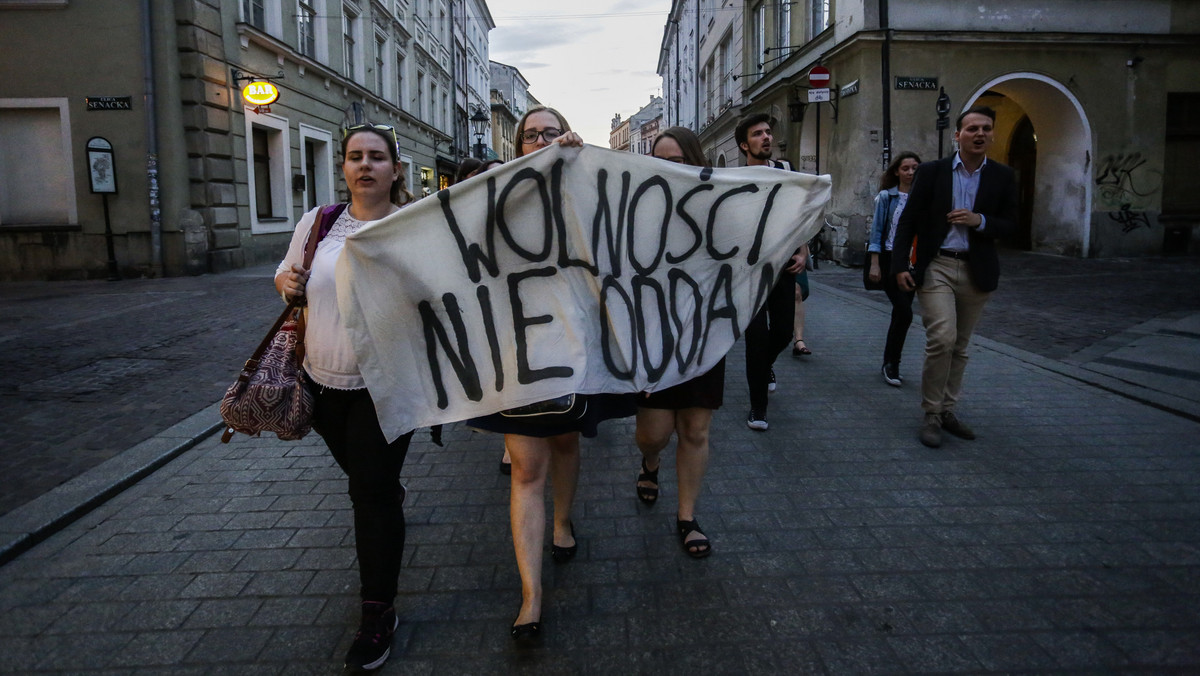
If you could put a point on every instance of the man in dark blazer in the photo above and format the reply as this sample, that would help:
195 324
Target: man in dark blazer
958 206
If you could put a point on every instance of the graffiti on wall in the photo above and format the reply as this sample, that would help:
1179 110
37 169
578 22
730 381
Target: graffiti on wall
1123 182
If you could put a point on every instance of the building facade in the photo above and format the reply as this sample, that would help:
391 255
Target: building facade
618 136
1096 110
206 181
510 100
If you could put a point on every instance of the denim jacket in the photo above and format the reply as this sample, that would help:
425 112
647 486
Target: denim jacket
884 202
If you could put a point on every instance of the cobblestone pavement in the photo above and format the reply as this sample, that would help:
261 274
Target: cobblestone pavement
1066 539
93 368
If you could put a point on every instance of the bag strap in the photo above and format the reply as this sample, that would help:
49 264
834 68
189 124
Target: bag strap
324 222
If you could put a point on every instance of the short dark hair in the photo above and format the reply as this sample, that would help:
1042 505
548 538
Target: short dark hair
741 133
986 111
466 168
688 142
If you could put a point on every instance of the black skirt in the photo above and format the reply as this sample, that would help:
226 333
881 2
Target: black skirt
706 391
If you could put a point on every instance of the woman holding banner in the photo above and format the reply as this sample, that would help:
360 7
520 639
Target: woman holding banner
685 409
343 411
539 450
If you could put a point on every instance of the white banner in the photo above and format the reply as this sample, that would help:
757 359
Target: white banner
570 270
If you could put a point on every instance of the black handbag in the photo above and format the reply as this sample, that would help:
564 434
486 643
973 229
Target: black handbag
556 411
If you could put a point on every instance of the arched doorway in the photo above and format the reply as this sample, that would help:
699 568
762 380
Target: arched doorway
1058 141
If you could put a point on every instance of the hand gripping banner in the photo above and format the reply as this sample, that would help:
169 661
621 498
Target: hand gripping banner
579 270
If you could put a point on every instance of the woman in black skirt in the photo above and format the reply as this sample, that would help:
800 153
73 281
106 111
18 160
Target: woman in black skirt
685 409
539 450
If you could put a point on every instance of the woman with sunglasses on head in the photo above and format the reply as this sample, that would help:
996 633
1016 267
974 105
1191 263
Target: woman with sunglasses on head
540 450
685 409
343 411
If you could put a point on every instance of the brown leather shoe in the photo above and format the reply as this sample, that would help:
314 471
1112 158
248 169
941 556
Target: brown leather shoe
931 430
954 426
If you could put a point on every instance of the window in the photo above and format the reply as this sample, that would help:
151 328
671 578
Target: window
306 16
758 37
268 163
37 184
420 111
784 24
818 17
254 13
435 115
400 81
350 26
726 70
380 64
317 158
265 15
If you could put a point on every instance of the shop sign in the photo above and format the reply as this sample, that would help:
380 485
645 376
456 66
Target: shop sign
260 93
921 83
109 102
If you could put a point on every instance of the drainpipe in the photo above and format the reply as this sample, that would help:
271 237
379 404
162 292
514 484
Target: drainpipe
696 70
885 70
156 264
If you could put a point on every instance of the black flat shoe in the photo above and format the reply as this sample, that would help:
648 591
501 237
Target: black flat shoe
526 635
647 494
563 554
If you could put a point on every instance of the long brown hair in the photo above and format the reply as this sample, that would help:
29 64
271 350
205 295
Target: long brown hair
688 142
562 121
889 179
399 194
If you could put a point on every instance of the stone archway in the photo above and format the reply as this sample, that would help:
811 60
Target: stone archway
1062 189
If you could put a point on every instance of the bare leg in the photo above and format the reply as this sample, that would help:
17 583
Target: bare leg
527 509
564 467
691 457
654 428
798 336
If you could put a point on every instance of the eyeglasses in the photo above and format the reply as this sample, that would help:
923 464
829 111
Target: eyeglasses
378 127
549 133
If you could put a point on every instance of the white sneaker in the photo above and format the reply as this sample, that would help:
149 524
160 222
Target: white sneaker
756 421
771 385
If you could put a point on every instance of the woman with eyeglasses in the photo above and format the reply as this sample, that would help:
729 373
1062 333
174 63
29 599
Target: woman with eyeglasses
540 450
343 413
686 409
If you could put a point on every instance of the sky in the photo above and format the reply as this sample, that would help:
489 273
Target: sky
590 60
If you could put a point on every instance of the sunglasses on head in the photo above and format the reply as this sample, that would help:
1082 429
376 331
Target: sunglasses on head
378 127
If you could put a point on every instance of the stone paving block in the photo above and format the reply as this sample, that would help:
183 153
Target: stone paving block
216 613
64 652
158 615
236 644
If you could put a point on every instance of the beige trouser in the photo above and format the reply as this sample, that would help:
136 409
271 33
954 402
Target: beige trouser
950 306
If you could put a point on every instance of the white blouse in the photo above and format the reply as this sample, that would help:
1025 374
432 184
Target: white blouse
328 355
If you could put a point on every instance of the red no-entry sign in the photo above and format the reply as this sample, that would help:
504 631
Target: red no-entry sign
818 77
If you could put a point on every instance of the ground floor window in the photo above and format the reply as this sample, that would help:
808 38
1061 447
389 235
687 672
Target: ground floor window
37 185
268 163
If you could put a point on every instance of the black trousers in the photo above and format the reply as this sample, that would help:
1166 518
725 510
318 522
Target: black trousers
346 420
902 314
768 333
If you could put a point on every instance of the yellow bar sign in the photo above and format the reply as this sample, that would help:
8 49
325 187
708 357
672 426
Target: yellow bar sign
260 93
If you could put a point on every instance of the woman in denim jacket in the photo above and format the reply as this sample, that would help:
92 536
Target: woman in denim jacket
893 194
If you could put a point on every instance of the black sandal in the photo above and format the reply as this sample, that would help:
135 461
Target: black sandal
697 548
647 494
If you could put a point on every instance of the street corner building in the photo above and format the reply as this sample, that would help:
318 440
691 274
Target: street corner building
128 148
1098 112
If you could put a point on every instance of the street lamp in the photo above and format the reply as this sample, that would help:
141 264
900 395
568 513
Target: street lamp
479 125
943 117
